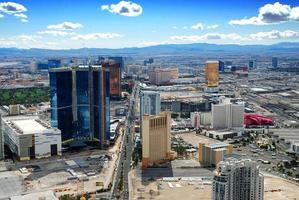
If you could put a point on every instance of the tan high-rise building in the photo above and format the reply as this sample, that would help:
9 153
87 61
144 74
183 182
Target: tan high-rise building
155 138
212 73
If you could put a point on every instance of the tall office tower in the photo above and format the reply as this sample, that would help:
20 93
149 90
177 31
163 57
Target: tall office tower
251 64
221 66
274 62
1 140
119 60
150 103
80 103
115 78
54 63
212 76
155 139
238 180
227 115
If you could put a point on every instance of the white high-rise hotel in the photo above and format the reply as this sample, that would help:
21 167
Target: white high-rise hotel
150 103
238 180
227 115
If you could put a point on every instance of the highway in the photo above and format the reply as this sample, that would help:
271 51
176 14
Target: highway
124 164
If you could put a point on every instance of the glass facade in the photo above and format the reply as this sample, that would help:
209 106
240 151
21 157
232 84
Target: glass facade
101 106
61 102
54 63
80 103
83 104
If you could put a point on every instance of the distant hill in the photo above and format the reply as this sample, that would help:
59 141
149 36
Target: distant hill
195 48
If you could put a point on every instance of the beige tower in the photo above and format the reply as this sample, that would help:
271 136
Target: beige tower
155 138
212 73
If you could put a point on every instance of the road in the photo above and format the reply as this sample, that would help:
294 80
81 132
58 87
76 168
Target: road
124 165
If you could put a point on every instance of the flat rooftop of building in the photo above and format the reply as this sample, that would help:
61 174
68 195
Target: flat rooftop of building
26 124
29 126
222 132
217 145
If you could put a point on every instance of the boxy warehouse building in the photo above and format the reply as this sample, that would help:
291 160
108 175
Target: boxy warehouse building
28 137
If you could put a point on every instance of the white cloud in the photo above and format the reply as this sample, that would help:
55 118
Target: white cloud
174 27
295 14
213 26
198 26
124 8
208 36
24 20
247 21
26 38
15 9
201 26
274 35
11 7
21 15
270 13
96 36
57 33
146 44
260 36
65 26
185 27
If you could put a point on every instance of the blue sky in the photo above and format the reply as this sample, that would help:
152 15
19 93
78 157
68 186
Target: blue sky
63 24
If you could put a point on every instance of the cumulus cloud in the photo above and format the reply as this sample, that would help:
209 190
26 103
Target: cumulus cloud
124 8
198 26
274 35
96 36
174 27
270 13
15 9
11 7
57 33
65 26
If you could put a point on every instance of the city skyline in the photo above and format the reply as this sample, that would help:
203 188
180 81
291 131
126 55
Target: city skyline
118 24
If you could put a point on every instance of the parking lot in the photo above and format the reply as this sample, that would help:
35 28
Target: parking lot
10 184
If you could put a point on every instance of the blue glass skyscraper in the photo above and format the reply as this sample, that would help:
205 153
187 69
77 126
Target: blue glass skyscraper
54 63
80 103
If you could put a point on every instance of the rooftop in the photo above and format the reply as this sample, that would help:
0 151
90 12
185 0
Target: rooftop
217 145
26 124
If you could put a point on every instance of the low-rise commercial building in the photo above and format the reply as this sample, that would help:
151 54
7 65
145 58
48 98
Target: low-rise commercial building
212 154
223 135
155 138
28 137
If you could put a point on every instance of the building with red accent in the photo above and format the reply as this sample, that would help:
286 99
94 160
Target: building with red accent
257 120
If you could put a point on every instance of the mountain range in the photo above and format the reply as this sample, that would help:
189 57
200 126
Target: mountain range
166 49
